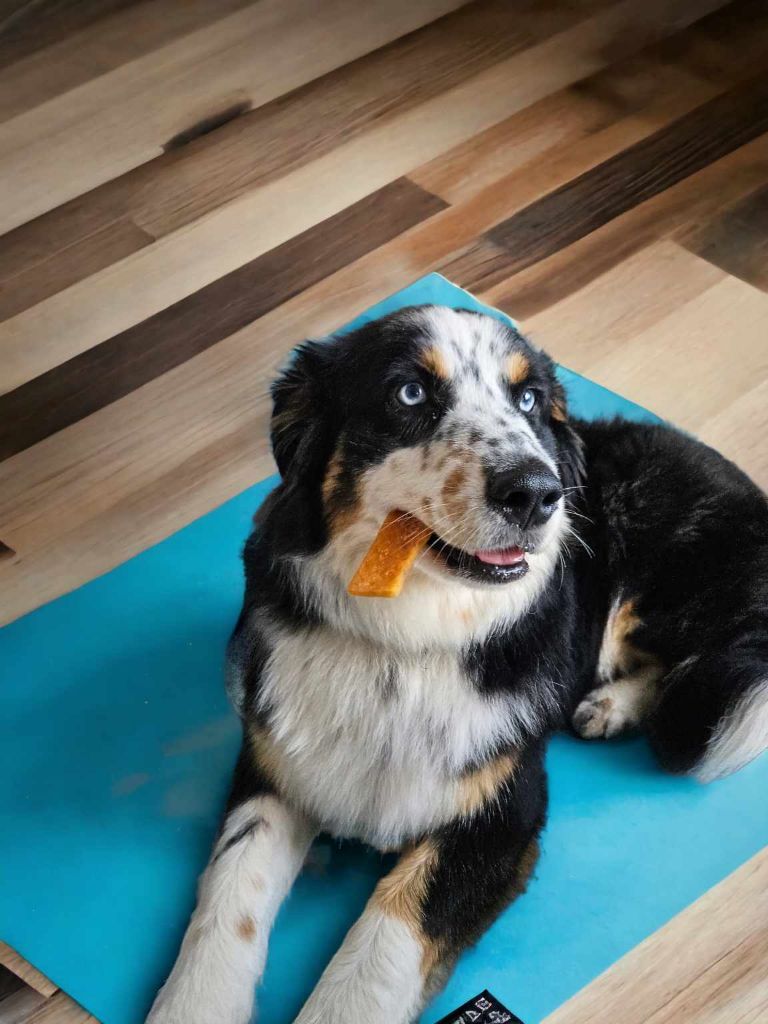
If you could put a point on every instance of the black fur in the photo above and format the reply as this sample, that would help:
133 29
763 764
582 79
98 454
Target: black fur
684 532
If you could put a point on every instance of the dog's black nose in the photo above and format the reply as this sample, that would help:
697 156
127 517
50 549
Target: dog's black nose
526 495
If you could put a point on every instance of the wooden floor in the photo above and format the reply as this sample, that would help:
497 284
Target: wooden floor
188 187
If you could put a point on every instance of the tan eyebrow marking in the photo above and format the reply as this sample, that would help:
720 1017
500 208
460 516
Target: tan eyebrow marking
518 367
432 359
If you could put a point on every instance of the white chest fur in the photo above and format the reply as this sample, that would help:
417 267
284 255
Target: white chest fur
369 743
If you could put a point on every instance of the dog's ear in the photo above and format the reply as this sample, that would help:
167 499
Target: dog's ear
301 408
570 447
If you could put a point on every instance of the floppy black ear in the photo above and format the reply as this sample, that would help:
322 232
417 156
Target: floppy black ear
570 447
300 408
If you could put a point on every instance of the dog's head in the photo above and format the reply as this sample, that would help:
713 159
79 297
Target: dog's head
447 414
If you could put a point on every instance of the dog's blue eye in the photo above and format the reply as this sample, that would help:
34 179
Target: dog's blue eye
412 394
527 400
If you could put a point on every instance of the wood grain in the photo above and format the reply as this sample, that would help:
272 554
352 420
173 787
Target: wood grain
26 28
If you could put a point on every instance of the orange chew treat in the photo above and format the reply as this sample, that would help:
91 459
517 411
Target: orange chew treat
400 540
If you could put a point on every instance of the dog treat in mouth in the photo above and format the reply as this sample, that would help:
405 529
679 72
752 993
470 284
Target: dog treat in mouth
400 540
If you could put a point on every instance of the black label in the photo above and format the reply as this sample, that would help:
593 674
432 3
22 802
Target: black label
483 1009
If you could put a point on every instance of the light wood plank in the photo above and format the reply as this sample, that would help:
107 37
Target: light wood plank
739 430
706 966
652 368
104 128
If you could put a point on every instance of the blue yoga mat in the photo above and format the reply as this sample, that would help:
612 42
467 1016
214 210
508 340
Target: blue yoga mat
117 745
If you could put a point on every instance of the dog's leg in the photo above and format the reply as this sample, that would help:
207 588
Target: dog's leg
628 677
261 848
442 894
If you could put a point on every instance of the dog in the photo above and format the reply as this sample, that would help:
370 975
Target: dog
600 575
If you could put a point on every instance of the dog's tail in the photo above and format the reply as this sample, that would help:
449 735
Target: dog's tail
713 715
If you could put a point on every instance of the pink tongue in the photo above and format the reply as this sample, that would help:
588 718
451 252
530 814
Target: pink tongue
504 556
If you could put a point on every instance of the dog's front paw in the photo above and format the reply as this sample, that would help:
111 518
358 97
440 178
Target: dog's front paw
602 714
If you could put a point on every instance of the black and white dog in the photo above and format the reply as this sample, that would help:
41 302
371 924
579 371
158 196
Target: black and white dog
608 575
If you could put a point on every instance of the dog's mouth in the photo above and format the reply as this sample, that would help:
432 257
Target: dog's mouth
497 565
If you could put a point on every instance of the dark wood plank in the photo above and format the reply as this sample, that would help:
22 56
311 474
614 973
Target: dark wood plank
26 27
105 373
737 240
634 176
710 47
263 144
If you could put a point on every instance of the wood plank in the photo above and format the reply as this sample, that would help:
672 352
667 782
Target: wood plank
173 189
733 990
26 28
29 975
114 368
639 173
678 973
737 239
139 286
739 431
101 129
75 57
710 49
